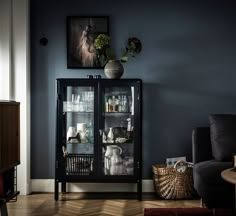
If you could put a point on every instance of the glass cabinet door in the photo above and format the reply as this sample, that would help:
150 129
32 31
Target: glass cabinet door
78 130
118 126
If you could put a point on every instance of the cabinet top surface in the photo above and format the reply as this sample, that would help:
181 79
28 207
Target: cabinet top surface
107 80
8 102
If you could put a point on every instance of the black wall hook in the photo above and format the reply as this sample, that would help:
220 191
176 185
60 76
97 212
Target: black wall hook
43 41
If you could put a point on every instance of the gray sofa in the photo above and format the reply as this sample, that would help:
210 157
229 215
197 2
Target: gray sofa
213 147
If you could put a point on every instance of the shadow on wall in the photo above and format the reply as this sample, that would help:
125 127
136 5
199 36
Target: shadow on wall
41 123
194 62
169 115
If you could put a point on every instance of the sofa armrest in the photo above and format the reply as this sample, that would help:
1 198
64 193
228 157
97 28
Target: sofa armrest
201 144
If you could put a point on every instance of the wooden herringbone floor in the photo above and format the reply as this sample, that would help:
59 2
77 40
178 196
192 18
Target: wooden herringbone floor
44 205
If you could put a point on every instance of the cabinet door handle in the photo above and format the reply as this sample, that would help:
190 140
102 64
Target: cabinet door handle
100 132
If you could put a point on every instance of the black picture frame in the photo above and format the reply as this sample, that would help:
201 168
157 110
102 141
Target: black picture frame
81 33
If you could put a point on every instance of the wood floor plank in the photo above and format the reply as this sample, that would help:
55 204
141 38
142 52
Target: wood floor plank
44 205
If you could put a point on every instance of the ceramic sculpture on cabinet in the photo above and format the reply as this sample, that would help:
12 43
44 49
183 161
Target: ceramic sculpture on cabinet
72 136
116 167
83 131
113 162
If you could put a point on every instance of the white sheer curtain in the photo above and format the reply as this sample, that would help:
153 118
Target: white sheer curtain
5 49
15 75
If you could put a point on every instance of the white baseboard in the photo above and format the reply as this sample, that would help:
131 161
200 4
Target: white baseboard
47 185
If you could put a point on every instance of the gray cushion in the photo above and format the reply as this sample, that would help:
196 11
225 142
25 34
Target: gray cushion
210 171
210 186
223 136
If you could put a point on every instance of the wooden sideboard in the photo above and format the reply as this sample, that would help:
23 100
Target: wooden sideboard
9 151
9 135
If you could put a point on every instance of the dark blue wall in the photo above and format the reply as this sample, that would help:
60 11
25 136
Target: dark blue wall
187 66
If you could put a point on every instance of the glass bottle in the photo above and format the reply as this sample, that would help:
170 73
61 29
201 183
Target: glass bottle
110 105
120 104
110 136
117 103
91 131
125 106
129 129
106 104
113 103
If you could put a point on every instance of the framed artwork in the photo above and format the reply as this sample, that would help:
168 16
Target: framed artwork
81 33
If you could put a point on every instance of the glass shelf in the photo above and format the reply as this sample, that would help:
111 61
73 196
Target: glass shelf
80 148
117 113
89 143
78 112
116 143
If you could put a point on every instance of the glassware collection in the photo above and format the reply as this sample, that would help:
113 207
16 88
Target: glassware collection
117 134
83 102
121 103
80 130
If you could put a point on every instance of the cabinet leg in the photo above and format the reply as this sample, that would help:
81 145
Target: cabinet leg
56 190
3 206
63 187
139 190
234 210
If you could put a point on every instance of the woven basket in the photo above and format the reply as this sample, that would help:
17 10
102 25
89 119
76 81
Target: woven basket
79 164
170 183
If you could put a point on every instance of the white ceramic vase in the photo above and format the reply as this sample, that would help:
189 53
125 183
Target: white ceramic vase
70 133
110 136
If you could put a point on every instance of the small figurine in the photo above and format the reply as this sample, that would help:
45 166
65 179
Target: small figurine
75 139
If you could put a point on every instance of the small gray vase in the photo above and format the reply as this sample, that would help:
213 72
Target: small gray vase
113 69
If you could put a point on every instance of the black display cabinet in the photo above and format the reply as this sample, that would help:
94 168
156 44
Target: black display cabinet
98 133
